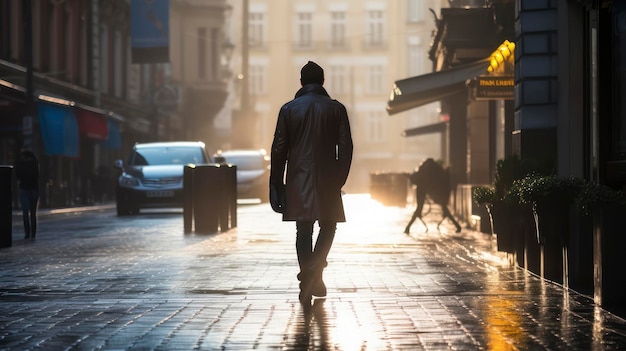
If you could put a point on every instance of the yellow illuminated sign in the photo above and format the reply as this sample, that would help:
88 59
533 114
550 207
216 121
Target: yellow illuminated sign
503 53
493 88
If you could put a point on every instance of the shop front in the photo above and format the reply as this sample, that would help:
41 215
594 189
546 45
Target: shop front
75 144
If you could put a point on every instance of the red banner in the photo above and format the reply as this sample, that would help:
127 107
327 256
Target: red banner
92 124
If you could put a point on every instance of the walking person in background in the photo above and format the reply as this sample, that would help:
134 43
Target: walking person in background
27 173
313 143
433 180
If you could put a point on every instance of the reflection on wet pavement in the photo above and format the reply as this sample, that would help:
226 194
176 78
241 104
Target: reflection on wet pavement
140 283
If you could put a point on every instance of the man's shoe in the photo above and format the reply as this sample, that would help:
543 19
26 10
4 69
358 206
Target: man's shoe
305 295
311 283
319 288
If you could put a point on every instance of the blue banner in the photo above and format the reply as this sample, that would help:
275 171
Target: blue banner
114 140
59 130
150 30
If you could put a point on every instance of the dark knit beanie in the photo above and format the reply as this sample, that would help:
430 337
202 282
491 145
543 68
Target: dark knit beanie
311 73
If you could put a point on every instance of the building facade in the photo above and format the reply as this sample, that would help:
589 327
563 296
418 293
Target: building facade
361 45
197 69
566 115
69 88
68 93
569 108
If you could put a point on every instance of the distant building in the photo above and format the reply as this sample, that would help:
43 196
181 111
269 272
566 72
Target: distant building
362 46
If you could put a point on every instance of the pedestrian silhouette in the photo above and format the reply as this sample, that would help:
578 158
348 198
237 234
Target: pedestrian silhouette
27 173
431 180
311 157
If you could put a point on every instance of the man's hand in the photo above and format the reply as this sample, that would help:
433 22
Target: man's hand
277 197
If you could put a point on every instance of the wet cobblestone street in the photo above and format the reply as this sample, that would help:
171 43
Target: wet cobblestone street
95 281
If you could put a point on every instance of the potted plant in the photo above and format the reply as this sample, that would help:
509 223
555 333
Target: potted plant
485 196
593 196
550 198
502 206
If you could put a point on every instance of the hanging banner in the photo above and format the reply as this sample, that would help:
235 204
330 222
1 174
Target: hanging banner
92 123
150 30
114 140
59 129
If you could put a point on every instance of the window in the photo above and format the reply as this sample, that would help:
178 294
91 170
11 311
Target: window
256 29
337 29
375 28
417 55
53 38
258 85
215 61
10 24
166 155
202 47
416 9
67 49
38 24
304 29
338 80
375 80
104 59
118 64
375 127
82 56
132 78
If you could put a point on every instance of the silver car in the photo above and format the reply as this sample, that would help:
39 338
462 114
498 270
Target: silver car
252 172
153 175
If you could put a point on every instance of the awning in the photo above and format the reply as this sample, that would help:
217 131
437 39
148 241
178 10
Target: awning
12 92
114 140
428 129
421 90
59 129
92 122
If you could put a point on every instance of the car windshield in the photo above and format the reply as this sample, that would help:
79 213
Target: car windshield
245 162
167 156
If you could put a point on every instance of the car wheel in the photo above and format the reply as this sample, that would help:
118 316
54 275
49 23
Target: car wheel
121 209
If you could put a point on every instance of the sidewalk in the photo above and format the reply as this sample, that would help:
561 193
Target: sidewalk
143 285
53 211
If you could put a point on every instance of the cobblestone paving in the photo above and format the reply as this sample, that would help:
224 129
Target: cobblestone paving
99 282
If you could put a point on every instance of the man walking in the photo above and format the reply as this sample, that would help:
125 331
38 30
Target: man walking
313 143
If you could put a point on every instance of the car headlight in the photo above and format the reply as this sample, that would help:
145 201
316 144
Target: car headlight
128 180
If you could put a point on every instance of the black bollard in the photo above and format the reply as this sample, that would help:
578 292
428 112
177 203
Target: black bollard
206 187
221 197
188 197
231 182
228 197
6 198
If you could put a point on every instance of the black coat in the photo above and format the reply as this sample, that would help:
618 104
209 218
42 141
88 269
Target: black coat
434 180
27 171
313 143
